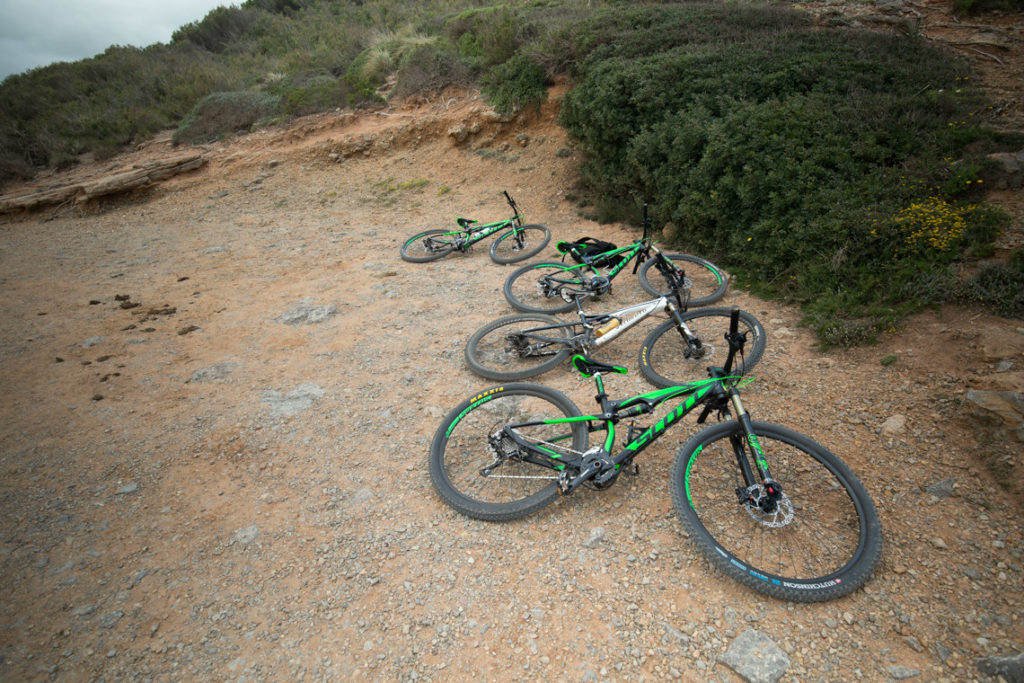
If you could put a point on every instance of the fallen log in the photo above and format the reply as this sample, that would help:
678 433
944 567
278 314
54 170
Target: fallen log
77 190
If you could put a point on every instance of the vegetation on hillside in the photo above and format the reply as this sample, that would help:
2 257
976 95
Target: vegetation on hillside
840 168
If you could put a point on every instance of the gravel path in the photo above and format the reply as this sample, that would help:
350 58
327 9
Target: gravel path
219 396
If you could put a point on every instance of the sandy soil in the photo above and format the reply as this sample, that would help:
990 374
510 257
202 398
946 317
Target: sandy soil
218 400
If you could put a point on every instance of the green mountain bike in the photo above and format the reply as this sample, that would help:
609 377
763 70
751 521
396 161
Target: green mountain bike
769 507
538 287
515 242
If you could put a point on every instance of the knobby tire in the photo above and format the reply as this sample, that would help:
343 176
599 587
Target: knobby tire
490 354
461 449
827 548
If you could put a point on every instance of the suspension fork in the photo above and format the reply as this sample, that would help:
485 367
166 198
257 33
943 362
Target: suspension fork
693 343
740 444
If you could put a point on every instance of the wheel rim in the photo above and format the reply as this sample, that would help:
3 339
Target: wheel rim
667 355
487 470
510 247
428 246
702 282
823 535
504 352
526 290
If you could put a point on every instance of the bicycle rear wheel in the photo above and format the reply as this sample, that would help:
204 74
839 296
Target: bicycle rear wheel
534 287
706 281
428 245
520 244
824 538
489 478
501 351
663 356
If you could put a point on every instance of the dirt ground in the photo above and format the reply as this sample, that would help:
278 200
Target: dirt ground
219 395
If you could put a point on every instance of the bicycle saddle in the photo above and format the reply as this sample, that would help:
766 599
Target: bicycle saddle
588 367
465 222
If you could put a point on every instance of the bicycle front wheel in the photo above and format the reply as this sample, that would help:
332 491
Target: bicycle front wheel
505 350
706 281
534 288
428 245
520 243
822 540
478 469
666 360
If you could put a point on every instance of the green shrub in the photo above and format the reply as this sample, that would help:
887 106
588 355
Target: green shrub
999 286
486 36
224 113
515 84
815 164
975 7
310 93
219 29
430 68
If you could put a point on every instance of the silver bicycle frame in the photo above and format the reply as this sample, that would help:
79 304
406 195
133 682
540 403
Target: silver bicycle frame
630 316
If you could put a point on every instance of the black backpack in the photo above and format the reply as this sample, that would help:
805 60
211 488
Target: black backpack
590 247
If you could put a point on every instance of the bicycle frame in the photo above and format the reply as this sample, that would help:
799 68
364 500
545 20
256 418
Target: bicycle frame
470 233
592 338
475 233
713 392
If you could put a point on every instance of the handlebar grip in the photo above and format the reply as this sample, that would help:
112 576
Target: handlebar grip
734 320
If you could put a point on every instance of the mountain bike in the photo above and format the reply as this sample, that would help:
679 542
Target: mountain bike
525 345
768 506
537 287
515 243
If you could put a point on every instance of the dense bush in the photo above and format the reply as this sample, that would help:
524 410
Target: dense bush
430 68
485 37
223 113
310 93
816 164
999 286
220 29
516 84
974 7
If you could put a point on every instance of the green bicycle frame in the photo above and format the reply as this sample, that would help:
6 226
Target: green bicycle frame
695 393
633 250
475 233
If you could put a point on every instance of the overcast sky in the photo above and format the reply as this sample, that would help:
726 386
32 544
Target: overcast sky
39 32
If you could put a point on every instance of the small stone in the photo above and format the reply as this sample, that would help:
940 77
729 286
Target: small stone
941 489
894 425
110 620
128 488
1011 667
756 658
594 539
247 535
939 543
900 672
